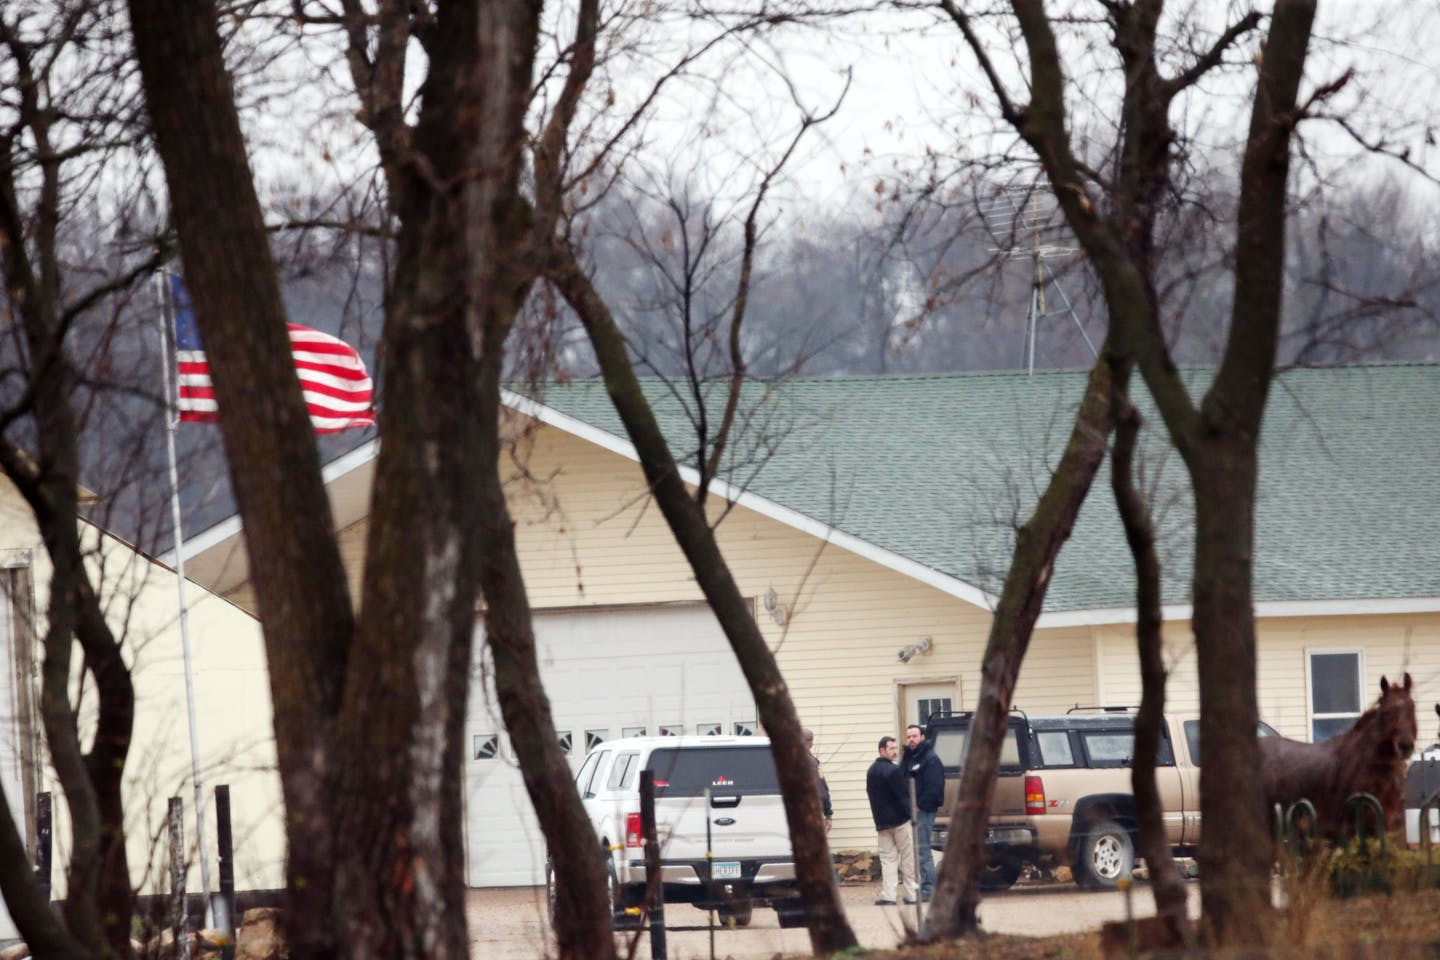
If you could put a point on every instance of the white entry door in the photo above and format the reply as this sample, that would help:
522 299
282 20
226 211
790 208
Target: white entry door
611 673
918 701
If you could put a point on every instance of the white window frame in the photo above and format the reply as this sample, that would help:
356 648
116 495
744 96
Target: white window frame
1310 714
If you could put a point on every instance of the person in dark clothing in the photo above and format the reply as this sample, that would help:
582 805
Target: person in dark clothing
890 807
820 783
922 766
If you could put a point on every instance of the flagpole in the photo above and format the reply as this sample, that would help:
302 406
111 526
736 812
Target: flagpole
170 424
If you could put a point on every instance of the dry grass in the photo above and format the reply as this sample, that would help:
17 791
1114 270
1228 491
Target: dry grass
1400 926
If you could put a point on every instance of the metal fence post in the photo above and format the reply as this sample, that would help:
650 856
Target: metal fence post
44 839
225 842
177 877
654 888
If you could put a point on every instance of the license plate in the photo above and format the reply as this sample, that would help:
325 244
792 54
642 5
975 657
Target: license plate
728 870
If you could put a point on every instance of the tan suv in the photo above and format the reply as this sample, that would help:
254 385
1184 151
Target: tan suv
1063 796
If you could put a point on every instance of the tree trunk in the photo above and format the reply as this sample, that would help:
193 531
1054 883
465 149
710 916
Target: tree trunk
1220 449
829 930
1234 859
956 898
1166 884
300 583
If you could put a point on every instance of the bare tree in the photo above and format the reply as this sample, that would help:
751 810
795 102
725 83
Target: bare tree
1113 216
61 125
688 521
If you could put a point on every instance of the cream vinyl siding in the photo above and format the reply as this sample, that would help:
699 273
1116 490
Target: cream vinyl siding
1391 645
233 713
588 535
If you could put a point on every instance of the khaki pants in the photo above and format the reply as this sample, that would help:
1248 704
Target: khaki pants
897 850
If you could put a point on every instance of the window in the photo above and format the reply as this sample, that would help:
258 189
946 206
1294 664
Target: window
1192 737
484 746
950 745
926 708
744 728
708 729
1116 748
593 738
1055 748
632 731
597 773
1334 692
621 773
741 770
587 771
1109 749
672 730
567 742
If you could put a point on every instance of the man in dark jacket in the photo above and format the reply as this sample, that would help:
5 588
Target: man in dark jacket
922 766
890 807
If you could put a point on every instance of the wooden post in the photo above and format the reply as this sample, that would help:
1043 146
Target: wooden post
654 889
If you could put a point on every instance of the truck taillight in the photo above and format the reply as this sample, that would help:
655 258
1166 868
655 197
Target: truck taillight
633 836
1034 796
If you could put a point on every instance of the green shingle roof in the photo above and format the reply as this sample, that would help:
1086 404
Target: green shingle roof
940 469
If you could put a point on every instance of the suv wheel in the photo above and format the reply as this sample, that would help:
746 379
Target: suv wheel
1000 873
790 913
737 912
1107 855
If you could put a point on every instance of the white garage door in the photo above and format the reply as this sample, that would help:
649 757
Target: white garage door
609 673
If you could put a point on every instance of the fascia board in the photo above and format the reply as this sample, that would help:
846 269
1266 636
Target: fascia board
1270 609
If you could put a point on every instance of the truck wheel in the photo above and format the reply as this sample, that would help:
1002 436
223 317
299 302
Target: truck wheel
1107 855
550 891
620 899
1000 873
790 913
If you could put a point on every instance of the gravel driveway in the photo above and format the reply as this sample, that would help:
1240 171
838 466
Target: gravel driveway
509 923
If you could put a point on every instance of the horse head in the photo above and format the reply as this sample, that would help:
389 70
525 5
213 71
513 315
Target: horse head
1397 717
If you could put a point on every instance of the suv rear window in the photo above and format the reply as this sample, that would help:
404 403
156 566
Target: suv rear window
950 743
1055 748
729 771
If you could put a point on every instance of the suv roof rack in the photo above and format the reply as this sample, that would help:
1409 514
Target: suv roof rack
944 714
1101 709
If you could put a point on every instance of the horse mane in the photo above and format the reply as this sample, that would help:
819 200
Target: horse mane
1364 762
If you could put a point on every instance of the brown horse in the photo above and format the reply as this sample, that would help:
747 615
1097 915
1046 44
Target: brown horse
1368 758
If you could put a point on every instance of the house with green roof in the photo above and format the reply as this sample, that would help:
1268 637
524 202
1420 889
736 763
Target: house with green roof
871 520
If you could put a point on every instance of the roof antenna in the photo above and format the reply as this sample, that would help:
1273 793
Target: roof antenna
1021 215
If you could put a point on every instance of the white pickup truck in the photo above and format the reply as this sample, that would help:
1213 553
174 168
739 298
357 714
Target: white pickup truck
741 825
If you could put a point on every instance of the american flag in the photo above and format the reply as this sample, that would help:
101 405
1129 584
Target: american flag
338 391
